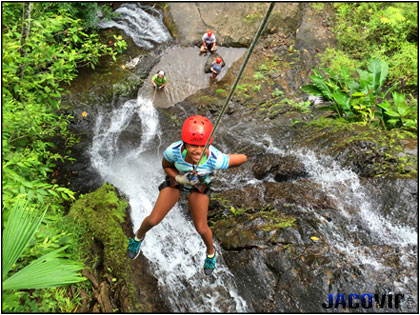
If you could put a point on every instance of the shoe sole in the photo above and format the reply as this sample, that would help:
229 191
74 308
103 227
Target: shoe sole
208 272
134 256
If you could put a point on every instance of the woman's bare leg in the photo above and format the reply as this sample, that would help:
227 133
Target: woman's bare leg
199 205
168 197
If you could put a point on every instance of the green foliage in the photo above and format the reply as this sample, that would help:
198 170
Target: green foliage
302 106
35 70
317 5
279 221
256 88
259 76
384 30
50 270
363 100
37 66
337 59
87 12
277 93
400 113
100 215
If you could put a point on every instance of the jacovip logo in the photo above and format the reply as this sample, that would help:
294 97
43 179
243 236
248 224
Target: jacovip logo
365 300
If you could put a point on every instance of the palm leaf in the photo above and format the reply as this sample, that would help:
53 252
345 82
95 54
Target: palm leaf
375 71
384 73
311 90
47 271
19 230
322 86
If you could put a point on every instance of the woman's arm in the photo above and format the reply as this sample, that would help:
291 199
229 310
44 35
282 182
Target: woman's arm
169 168
236 159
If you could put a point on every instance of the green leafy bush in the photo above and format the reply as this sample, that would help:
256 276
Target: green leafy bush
384 30
363 99
41 55
35 69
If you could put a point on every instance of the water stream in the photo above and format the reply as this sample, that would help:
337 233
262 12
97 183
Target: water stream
174 247
142 23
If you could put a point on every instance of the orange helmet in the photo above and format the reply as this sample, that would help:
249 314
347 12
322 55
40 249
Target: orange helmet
218 60
209 33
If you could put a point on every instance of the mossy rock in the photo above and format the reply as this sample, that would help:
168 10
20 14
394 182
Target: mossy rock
101 213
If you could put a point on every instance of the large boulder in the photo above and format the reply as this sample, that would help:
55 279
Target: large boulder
234 24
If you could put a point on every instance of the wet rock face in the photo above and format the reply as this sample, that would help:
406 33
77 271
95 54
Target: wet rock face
210 60
280 168
234 24
267 230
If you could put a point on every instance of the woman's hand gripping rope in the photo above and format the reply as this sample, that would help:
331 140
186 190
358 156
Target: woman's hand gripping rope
190 178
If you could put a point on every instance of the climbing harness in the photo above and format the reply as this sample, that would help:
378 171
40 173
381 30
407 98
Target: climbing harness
251 48
202 188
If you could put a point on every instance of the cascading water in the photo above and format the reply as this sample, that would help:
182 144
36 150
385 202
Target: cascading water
174 247
142 23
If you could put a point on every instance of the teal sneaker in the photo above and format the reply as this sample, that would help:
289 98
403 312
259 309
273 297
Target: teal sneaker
209 264
133 248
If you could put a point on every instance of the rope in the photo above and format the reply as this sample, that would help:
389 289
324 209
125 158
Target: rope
241 70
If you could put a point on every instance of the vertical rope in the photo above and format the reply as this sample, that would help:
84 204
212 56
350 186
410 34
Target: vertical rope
241 70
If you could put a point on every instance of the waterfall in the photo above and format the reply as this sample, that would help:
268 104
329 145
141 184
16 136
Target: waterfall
174 248
143 24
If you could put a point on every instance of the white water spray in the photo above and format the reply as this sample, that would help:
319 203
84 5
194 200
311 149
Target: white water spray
174 248
144 28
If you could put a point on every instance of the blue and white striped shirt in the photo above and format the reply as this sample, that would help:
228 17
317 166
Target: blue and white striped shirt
215 161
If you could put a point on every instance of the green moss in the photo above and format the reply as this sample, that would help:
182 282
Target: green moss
206 100
101 214
167 20
277 219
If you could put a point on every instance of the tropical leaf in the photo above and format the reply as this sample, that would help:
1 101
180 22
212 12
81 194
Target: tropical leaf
343 100
375 73
384 73
398 98
322 86
20 228
317 73
392 113
311 90
46 272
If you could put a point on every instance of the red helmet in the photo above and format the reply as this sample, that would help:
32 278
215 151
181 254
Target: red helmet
196 130
209 33
218 60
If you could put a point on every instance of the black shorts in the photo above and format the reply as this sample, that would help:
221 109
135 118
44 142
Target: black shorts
171 182
209 46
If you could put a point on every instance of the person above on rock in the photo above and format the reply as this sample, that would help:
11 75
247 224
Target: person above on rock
159 80
209 42
178 162
216 67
